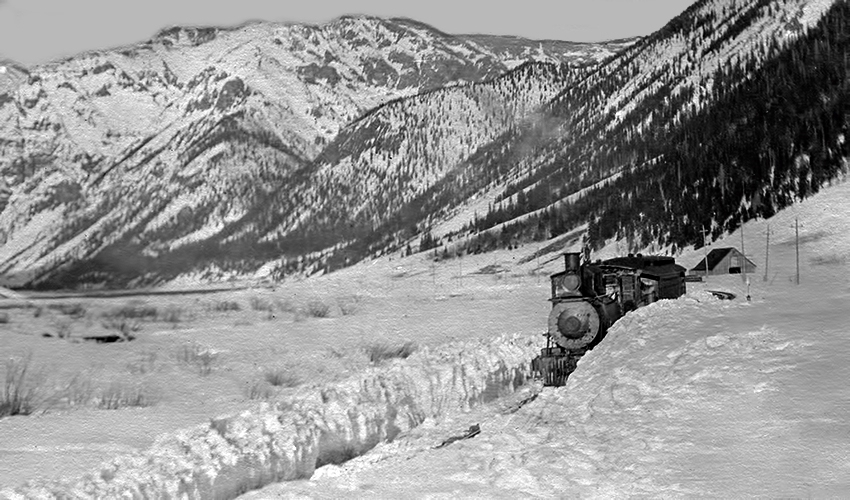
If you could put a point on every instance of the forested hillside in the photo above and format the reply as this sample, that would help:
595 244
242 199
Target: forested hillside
286 149
776 132
599 152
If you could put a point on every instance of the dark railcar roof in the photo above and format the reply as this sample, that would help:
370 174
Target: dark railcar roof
651 266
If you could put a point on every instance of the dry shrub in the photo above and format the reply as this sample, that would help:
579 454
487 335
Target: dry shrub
120 394
279 377
348 305
133 311
4 318
381 351
22 390
260 389
226 306
78 391
75 311
286 305
317 308
197 356
125 328
173 314
261 304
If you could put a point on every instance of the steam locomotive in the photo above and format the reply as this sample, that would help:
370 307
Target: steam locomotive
587 298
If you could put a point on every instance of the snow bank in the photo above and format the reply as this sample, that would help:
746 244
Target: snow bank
288 439
678 402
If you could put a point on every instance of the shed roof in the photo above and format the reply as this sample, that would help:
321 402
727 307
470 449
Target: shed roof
715 256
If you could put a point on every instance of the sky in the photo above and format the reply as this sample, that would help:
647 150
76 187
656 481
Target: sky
38 31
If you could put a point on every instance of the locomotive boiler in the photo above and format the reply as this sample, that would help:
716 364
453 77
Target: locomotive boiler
587 298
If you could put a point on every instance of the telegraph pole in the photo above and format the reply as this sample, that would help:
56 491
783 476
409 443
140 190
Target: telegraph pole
434 277
460 268
705 253
797 245
538 265
743 256
766 252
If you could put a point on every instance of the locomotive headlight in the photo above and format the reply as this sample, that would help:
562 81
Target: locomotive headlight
567 284
571 282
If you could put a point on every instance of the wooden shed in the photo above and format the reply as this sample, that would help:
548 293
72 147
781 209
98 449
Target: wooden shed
724 261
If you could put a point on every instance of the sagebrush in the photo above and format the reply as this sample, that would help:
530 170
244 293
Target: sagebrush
378 352
280 377
201 358
317 308
22 389
119 395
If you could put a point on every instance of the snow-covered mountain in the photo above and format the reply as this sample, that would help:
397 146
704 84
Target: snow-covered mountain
519 50
169 141
12 75
587 153
279 148
382 164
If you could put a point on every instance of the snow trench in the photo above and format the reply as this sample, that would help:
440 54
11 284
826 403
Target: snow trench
289 439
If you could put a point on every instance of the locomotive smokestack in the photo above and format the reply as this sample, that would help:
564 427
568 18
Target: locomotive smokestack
571 261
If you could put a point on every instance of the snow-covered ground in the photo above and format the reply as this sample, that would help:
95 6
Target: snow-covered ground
386 303
692 398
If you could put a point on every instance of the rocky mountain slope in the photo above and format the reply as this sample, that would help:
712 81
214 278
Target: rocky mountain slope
171 141
238 180
717 125
576 156
12 75
580 155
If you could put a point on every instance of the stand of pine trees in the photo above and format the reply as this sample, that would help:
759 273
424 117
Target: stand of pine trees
776 132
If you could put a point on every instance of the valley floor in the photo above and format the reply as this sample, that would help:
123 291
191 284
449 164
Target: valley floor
201 356
692 398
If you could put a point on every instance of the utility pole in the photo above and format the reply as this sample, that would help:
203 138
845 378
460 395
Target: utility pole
705 253
743 256
766 252
434 277
797 245
460 268
538 265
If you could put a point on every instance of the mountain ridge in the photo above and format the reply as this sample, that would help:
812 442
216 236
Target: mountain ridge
752 25
261 99
536 152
